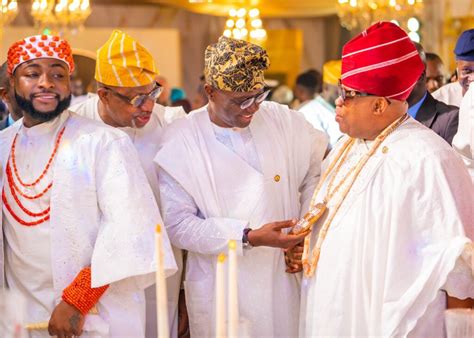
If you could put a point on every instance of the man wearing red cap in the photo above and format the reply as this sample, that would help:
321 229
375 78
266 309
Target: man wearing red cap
77 211
396 205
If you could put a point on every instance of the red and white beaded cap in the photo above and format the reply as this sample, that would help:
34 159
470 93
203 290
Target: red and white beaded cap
39 46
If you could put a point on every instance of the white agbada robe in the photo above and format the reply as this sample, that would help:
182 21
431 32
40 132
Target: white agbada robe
146 141
463 141
210 193
28 249
393 242
322 119
93 222
450 93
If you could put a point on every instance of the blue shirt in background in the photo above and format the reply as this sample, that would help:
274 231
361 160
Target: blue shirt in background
413 110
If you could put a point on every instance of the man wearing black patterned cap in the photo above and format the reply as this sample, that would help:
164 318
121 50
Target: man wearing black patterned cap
239 169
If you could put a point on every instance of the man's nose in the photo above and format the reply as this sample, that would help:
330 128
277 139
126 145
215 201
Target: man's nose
253 107
148 105
45 81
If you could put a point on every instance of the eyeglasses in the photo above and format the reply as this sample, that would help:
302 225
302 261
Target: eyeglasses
350 94
139 99
259 98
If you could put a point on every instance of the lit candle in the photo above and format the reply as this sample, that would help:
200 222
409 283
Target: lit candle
220 297
161 299
233 292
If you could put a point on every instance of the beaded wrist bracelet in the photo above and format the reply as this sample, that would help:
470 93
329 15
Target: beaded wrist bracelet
80 294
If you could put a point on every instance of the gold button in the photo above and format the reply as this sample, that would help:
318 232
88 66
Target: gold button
384 149
277 178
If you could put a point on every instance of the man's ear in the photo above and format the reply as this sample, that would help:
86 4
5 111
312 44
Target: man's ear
3 94
380 105
209 91
103 94
11 80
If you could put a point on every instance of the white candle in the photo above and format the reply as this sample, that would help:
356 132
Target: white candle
233 292
220 297
161 298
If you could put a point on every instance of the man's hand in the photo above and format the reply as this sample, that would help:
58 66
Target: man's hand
66 321
293 258
270 235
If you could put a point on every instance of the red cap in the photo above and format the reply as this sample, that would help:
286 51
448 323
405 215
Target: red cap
381 61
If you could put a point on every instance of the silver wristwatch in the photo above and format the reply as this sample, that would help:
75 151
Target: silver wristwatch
245 239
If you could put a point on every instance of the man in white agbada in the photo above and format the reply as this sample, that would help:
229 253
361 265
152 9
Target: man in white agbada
239 169
127 92
463 141
395 235
78 214
452 93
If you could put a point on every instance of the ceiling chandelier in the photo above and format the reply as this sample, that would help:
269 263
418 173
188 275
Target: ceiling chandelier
246 25
60 15
8 12
360 14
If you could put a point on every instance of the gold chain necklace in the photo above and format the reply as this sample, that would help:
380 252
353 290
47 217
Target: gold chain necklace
317 210
343 158
310 263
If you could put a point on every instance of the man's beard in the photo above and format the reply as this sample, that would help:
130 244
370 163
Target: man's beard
27 107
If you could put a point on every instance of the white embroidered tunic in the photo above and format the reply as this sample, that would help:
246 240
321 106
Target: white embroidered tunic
103 215
212 187
146 142
393 245
27 248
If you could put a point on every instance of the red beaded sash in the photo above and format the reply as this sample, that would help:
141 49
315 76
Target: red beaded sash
16 192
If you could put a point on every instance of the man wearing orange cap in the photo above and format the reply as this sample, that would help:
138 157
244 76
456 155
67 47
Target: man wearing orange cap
77 211
331 76
126 99
239 169
396 204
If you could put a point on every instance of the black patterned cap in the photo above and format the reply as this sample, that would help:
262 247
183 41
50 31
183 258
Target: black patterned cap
235 65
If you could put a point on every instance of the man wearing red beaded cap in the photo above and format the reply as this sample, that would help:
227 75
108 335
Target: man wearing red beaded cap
77 211
393 238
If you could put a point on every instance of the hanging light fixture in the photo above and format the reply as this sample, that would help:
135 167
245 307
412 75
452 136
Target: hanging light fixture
245 24
360 14
8 12
60 15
